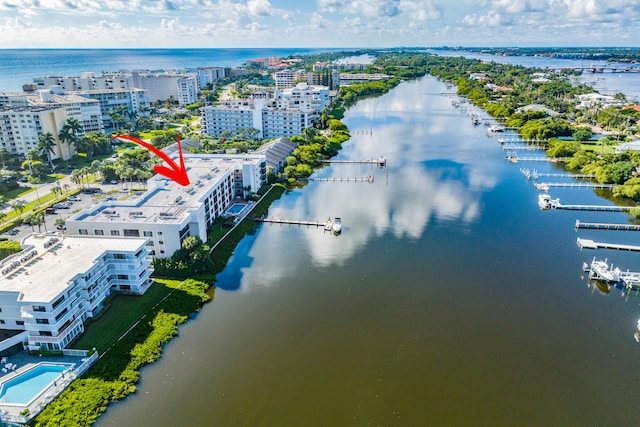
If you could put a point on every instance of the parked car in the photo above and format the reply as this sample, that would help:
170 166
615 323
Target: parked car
50 211
73 198
61 206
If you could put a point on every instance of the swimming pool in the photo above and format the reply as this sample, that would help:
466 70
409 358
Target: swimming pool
28 385
236 208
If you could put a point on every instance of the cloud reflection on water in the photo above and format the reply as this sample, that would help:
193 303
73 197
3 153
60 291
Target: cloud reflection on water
434 174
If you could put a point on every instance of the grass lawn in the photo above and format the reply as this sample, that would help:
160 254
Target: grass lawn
17 192
597 147
120 313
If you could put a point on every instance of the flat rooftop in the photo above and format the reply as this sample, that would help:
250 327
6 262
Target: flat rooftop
43 277
167 201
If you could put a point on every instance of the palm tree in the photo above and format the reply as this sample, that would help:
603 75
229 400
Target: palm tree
3 215
18 206
46 147
66 136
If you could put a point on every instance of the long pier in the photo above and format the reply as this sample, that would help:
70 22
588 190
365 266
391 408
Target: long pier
537 159
534 174
598 208
369 179
605 226
503 140
544 186
527 147
591 244
296 222
380 161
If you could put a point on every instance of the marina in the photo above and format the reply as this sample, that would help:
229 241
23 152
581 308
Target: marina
604 226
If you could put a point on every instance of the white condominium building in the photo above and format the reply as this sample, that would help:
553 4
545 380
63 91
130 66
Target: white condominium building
210 75
117 100
285 78
160 86
21 127
183 87
232 116
167 213
49 289
86 111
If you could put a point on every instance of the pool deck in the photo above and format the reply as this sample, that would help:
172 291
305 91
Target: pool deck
24 362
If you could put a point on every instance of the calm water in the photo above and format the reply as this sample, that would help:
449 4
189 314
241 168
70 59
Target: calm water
449 298
19 66
607 83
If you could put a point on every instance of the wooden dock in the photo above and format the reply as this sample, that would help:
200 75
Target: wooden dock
590 244
369 179
526 147
323 224
534 174
537 159
605 226
522 141
544 186
380 161
596 208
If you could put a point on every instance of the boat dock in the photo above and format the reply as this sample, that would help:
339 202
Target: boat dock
369 179
380 161
522 141
590 244
325 224
604 226
527 147
534 174
601 270
537 159
544 186
598 208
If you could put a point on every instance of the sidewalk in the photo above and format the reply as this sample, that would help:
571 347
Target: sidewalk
41 190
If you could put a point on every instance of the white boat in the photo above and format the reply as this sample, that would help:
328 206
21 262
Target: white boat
603 271
337 225
495 128
546 202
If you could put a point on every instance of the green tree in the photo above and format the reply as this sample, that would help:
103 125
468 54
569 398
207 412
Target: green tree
46 146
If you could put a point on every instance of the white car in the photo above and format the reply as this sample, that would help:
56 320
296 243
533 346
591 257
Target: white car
73 198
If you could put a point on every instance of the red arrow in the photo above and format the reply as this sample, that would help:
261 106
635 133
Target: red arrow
174 172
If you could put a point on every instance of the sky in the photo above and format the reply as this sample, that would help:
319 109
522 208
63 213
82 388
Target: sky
316 23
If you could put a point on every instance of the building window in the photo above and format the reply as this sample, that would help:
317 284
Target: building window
38 308
98 232
147 233
83 231
115 232
1 322
118 256
123 277
20 322
125 287
131 233
45 333
42 321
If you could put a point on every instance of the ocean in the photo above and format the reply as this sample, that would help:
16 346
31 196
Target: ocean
20 66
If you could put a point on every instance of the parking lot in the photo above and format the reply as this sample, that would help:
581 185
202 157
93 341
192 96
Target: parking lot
73 204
